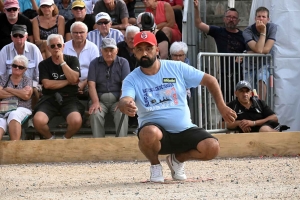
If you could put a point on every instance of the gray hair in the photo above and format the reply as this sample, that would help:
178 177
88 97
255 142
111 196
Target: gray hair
131 29
52 36
78 23
178 46
21 58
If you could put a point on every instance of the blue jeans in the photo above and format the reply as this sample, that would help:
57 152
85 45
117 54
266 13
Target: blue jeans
253 76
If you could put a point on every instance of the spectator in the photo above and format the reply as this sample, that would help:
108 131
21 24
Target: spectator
105 78
59 75
89 5
260 38
253 114
177 6
156 91
20 46
46 23
104 30
149 25
29 4
229 39
164 18
178 51
65 9
16 86
10 17
130 4
79 12
117 11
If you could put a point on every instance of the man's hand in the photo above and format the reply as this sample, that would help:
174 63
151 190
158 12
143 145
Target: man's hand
196 3
130 109
60 57
228 114
246 123
260 27
94 107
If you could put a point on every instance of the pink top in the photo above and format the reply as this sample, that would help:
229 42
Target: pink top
174 2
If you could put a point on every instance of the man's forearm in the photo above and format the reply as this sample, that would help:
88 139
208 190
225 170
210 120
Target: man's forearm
233 125
262 121
55 84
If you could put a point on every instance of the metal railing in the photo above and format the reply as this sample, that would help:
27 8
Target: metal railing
230 68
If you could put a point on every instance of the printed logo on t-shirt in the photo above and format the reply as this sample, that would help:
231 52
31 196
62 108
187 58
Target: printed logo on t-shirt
169 80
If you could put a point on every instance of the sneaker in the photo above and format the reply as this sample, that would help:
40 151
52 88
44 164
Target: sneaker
176 167
156 173
30 123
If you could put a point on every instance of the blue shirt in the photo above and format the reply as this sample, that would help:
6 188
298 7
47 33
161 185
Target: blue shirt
161 98
26 4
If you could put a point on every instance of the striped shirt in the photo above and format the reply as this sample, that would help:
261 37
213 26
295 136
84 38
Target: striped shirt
95 37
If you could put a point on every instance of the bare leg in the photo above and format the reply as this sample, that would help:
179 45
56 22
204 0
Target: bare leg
163 49
262 90
74 121
267 129
1 133
14 128
149 143
168 32
40 121
132 21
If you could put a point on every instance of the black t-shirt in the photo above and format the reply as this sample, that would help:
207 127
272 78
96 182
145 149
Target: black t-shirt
89 20
5 28
49 70
123 52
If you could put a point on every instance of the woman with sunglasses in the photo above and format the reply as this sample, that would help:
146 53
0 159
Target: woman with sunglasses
46 23
16 86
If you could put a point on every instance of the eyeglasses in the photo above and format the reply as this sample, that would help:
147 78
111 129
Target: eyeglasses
78 33
11 9
18 66
107 73
78 8
18 35
52 46
233 18
177 55
45 6
101 23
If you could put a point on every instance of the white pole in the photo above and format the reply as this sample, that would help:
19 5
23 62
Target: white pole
231 3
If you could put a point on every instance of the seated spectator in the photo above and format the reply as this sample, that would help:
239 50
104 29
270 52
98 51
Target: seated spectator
164 18
178 51
16 86
89 6
145 21
105 78
47 22
104 30
79 12
117 11
253 114
10 17
177 6
29 4
130 4
260 38
20 46
65 9
59 75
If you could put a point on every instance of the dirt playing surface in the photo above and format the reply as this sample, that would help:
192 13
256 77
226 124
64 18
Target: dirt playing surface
247 178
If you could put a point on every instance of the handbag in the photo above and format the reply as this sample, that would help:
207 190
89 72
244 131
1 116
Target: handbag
8 105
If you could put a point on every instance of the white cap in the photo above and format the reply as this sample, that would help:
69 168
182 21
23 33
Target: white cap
102 15
46 2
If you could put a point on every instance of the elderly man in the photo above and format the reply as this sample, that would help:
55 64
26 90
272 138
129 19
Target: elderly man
79 12
104 30
116 9
59 75
20 46
10 17
105 78
253 114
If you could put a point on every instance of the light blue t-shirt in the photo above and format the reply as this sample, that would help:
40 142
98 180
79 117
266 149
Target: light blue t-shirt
161 98
26 4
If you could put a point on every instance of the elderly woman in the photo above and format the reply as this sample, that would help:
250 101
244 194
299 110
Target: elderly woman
178 51
46 23
18 87
164 18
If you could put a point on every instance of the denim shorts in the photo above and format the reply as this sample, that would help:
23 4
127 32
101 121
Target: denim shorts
252 76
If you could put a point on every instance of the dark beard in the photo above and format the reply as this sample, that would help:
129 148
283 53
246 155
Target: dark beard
147 62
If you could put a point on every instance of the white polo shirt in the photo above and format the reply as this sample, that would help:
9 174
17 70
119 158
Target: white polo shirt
88 53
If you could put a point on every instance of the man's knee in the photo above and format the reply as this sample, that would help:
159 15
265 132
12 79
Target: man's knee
267 129
209 148
40 118
150 133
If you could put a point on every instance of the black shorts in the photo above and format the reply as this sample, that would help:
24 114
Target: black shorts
180 142
270 123
51 107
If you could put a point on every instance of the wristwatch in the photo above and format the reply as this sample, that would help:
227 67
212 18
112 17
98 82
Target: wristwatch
63 63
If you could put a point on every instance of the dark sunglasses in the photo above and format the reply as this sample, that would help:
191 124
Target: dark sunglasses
100 23
18 66
18 35
52 46
11 9
45 6
78 8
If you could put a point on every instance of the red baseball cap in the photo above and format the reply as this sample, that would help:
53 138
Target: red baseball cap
144 36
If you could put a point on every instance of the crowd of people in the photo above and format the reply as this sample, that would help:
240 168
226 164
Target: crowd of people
99 51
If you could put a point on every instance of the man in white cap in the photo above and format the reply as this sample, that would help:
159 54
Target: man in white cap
10 17
104 30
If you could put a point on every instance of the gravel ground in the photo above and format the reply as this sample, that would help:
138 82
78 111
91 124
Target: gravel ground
247 178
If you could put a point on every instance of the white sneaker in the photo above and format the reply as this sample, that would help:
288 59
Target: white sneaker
30 123
176 167
156 173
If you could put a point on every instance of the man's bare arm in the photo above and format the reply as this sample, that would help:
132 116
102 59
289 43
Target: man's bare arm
198 22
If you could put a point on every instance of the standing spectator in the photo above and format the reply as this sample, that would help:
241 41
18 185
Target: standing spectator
130 4
59 75
29 4
156 92
46 23
104 30
10 17
79 12
260 38
229 39
16 86
105 78
64 9
117 11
